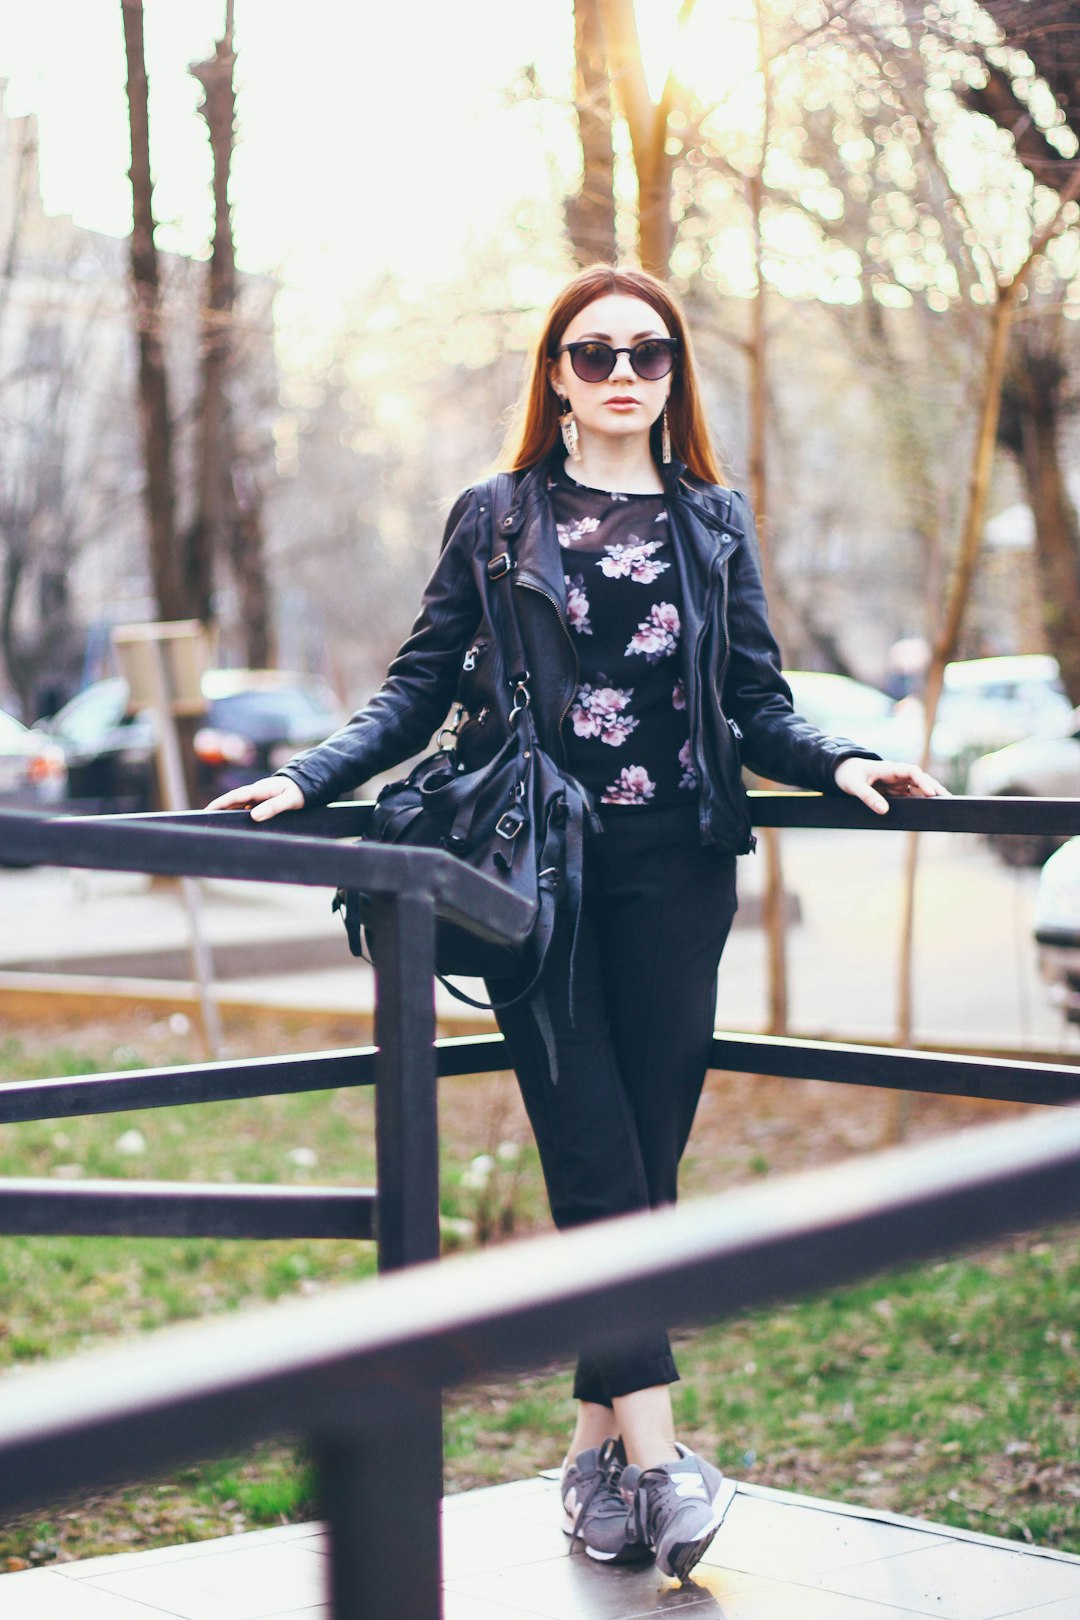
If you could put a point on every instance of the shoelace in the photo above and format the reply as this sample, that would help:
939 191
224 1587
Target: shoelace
639 1507
608 1469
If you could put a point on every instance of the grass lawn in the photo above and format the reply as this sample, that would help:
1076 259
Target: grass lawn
949 1391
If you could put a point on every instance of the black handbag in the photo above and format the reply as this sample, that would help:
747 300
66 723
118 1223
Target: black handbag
520 819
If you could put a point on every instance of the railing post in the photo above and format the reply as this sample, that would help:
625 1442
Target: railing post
381 1500
386 1546
406 1099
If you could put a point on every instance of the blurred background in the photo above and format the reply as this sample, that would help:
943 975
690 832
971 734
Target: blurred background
268 278
358 215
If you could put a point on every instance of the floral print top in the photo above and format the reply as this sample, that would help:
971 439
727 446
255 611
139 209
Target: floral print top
627 733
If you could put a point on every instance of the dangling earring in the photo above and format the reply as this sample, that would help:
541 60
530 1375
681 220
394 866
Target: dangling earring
665 438
569 430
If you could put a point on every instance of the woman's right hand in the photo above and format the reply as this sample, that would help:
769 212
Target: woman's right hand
265 798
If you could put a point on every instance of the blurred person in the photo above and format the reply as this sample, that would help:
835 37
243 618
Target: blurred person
654 673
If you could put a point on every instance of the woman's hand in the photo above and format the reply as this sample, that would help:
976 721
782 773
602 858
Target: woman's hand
858 776
265 798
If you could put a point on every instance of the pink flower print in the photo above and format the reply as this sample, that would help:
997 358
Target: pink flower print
658 635
632 787
577 605
689 777
602 712
569 533
634 561
678 695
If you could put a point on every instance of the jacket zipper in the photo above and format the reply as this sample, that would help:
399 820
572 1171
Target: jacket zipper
718 580
527 585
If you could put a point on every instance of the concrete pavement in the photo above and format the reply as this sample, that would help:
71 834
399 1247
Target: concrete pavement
280 947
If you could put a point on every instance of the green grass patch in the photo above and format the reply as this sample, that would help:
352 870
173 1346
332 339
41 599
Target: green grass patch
949 1391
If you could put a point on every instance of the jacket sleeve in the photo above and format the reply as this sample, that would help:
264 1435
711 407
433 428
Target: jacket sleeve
777 743
399 720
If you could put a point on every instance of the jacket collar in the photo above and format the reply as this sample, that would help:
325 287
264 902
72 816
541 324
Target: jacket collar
529 524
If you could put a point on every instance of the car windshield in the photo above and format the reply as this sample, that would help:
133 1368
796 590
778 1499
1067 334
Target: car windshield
287 711
837 695
91 713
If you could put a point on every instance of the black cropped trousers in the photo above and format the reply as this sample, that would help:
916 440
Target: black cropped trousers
613 1119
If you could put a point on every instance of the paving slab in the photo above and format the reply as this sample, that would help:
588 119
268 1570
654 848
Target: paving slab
778 1556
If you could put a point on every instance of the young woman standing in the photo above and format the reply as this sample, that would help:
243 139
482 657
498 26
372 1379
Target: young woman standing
654 674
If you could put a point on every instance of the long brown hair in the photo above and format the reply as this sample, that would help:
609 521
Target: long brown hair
535 431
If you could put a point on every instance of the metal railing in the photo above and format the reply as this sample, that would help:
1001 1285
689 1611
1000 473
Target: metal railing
371 1364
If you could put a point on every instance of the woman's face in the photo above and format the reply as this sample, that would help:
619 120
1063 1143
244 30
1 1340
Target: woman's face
623 405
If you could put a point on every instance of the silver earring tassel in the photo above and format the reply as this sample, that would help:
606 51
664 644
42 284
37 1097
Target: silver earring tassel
569 431
665 438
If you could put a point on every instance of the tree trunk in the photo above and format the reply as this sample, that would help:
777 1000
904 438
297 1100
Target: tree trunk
247 557
153 386
590 215
648 126
205 540
1035 395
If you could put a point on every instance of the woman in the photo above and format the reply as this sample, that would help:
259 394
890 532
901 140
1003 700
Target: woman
654 672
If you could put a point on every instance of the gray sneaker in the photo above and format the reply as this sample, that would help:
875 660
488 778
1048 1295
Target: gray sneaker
677 1508
596 1511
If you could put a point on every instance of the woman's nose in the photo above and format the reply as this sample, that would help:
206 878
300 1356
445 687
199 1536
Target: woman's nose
622 369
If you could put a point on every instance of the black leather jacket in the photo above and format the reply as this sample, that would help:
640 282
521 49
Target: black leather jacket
739 705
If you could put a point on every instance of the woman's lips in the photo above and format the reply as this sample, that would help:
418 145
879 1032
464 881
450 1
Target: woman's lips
622 404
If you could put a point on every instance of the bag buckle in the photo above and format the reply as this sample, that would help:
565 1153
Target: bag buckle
510 824
500 566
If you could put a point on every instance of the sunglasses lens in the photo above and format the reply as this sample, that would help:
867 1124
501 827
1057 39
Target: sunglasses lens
652 360
593 362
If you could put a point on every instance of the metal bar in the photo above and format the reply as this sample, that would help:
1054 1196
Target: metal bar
462 895
406 1105
183 1209
381 1497
944 1074
768 808
325 1365
348 819
955 814
22 1100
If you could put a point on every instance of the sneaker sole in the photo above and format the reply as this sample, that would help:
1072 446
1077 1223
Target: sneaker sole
632 1553
684 1556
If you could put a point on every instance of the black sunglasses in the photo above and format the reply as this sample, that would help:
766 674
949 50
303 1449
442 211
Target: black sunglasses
594 361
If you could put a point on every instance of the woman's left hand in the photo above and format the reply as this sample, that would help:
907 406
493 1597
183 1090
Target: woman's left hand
859 776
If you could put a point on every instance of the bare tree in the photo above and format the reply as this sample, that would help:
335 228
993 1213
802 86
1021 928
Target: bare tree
1038 390
590 214
227 523
154 414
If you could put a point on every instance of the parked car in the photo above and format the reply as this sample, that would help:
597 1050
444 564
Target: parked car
108 746
1042 767
1057 927
987 703
255 720
33 775
848 708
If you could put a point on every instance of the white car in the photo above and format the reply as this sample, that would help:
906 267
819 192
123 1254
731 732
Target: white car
987 703
843 707
1057 927
1043 767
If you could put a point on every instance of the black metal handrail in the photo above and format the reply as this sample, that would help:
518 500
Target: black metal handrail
358 1373
412 1354
409 888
